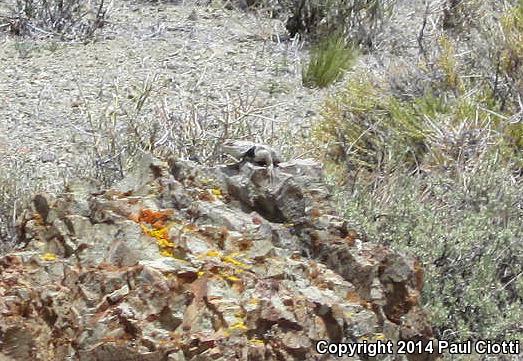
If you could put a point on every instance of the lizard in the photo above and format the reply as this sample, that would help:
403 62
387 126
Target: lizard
258 153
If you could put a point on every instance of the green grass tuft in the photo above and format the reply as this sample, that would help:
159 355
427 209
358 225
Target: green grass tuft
329 60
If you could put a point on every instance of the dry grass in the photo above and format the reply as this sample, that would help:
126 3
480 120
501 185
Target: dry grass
142 121
424 146
64 19
170 83
16 187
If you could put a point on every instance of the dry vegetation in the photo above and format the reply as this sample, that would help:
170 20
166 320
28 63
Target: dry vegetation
427 149
423 140
66 19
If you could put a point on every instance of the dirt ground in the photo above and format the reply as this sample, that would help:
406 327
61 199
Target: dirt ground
198 59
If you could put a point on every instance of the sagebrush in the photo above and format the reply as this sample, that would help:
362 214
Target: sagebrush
426 155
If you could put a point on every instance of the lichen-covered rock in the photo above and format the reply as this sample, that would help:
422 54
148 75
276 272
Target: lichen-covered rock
181 262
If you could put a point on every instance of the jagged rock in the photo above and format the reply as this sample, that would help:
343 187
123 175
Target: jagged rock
180 262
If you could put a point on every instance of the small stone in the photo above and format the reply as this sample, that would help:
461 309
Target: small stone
47 157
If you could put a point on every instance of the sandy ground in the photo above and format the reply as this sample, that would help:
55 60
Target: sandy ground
203 59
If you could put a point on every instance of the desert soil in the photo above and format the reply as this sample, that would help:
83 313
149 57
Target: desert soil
200 57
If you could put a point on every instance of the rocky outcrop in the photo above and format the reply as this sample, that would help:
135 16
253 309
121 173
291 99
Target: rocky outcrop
182 262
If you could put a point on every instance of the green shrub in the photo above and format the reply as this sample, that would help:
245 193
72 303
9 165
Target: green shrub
466 229
480 45
436 174
367 128
512 26
374 131
429 160
329 60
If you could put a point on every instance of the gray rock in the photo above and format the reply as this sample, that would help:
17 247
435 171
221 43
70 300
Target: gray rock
182 262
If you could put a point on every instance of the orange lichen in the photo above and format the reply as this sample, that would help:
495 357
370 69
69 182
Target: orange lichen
158 224
157 218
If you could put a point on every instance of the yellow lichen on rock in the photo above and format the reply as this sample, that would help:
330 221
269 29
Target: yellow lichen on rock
48 257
